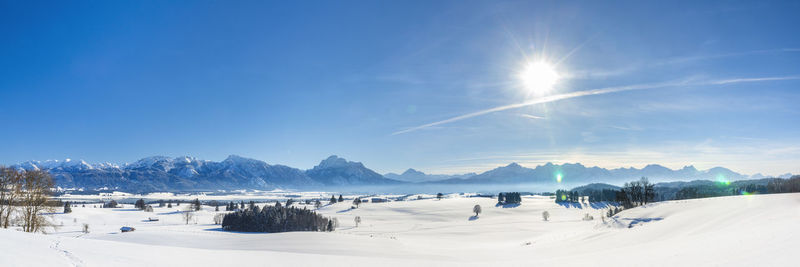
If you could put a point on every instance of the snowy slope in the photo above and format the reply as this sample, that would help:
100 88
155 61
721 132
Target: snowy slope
727 231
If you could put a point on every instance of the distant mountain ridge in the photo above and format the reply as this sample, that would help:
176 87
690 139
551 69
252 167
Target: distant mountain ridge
577 173
161 173
412 175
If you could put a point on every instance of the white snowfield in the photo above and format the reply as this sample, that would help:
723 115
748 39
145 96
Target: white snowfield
756 230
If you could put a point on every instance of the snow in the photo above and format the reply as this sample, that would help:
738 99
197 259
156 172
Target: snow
726 231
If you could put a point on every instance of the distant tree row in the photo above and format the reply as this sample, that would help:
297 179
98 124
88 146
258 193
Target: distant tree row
601 195
276 219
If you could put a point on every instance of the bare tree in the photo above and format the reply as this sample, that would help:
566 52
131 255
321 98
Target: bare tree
36 186
188 214
10 191
218 218
545 215
85 228
477 210
357 219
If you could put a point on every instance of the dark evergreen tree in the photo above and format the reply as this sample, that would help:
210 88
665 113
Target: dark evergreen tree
67 208
139 204
341 199
196 204
333 200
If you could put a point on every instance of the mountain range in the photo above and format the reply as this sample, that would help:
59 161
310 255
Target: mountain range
161 173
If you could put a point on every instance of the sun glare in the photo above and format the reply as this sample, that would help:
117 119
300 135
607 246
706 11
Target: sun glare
539 77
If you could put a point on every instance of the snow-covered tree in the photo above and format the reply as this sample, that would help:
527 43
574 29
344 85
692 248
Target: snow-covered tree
477 210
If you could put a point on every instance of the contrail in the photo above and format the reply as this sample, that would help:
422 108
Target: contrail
600 91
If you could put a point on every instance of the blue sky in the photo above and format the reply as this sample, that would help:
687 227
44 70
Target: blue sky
713 84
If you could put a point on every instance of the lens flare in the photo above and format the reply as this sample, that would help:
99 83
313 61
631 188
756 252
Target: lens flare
721 180
559 177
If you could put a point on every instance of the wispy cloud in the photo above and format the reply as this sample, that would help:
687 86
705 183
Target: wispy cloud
627 128
763 79
529 116
600 91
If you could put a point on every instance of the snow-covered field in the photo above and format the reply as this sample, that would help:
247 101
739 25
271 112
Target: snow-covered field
759 230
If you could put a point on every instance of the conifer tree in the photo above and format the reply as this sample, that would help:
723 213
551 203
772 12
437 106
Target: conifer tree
67 208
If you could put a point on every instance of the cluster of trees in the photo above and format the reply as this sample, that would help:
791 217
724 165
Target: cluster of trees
357 201
636 193
613 211
139 204
334 200
276 219
25 196
509 198
567 196
111 204
232 206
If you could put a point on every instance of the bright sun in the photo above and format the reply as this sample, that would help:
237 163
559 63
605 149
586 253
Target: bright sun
539 77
